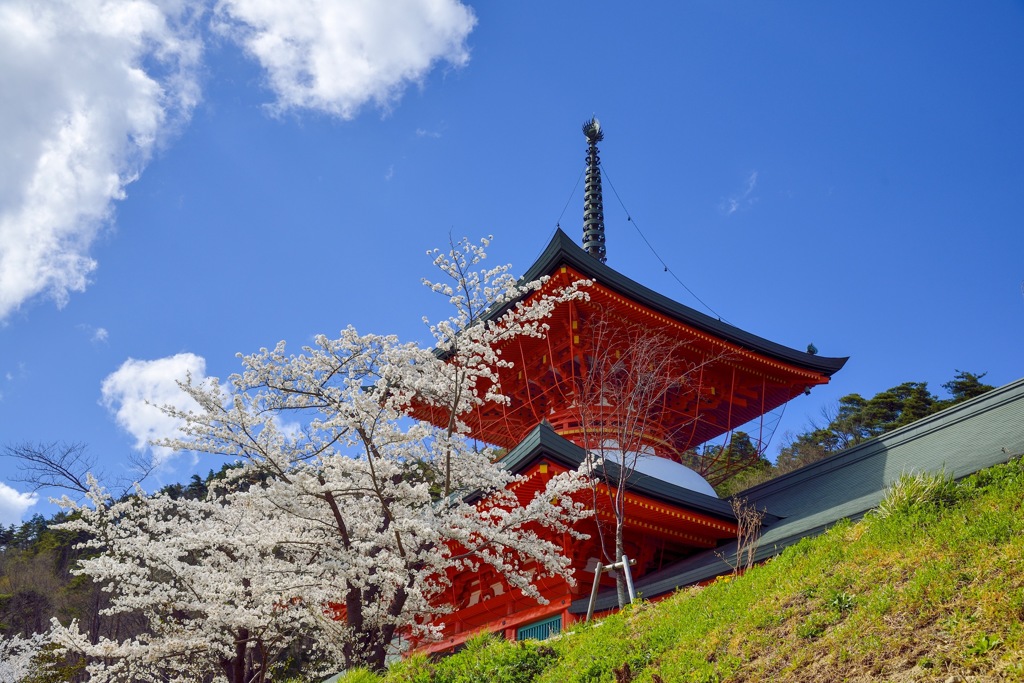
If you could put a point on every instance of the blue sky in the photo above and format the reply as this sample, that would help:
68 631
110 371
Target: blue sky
186 180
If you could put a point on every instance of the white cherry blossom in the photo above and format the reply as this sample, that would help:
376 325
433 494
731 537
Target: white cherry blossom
343 531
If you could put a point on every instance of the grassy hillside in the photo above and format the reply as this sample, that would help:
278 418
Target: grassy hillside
931 587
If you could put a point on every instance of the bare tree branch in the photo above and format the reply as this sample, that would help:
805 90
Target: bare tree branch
65 466
58 465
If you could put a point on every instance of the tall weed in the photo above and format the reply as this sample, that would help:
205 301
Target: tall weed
917 491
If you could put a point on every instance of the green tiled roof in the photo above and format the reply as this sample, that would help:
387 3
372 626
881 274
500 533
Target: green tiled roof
543 442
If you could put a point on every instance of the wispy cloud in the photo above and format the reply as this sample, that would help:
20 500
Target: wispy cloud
424 133
134 392
390 172
97 335
21 373
335 56
741 200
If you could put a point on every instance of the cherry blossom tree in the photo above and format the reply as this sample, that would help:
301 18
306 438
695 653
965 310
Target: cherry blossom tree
205 576
17 657
349 516
619 405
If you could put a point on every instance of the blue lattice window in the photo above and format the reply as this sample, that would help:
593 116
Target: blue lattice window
540 630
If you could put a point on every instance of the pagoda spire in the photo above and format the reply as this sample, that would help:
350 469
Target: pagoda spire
593 203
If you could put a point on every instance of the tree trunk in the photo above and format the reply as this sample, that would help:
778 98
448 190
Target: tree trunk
620 575
370 647
236 669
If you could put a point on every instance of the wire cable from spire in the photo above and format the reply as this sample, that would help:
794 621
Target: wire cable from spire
558 223
668 270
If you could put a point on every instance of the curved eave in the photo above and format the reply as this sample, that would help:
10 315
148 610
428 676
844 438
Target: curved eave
562 250
543 442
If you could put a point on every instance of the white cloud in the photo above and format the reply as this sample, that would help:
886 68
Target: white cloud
742 199
134 391
90 87
93 87
334 56
424 133
13 504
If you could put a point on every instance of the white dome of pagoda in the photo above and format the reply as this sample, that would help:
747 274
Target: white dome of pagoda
663 469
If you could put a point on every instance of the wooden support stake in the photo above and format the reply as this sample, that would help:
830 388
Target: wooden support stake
624 565
629 578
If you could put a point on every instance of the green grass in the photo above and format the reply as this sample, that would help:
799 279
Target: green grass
930 586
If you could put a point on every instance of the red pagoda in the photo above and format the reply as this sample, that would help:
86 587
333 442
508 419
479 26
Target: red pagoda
566 394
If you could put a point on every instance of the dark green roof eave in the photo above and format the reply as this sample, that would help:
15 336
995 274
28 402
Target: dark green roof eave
563 250
542 441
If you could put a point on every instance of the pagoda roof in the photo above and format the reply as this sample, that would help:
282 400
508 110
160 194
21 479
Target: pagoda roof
563 250
543 442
